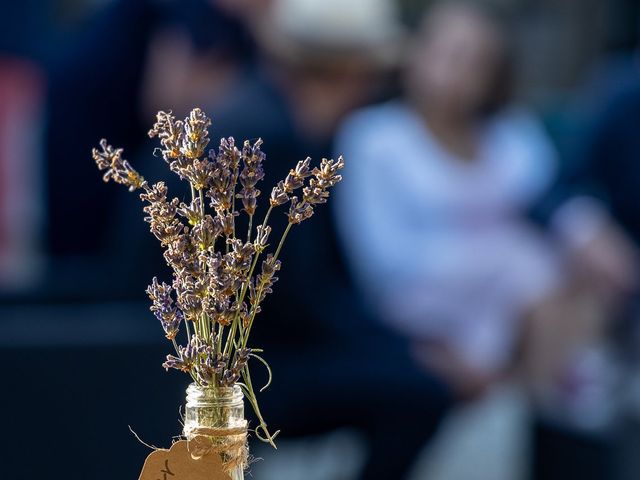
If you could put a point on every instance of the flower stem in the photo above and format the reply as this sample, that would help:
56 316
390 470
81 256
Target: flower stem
245 286
254 307
284 237
251 396
266 217
220 333
186 324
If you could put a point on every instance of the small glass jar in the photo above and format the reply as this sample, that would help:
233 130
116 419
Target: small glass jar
217 408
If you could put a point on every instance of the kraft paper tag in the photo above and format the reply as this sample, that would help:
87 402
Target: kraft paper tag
177 464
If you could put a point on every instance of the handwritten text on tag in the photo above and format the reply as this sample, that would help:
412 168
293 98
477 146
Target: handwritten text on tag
177 464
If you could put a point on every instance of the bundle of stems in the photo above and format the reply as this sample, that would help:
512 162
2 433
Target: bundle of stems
209 308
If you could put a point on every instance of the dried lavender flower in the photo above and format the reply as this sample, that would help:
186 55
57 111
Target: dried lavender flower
262 235
239 258
224 175
327 175
117 169
206 231
170 132
231 375
228 154
278 195
209 370
299 211
196 134
190 292
179 363
324 177
264 282
161 214
192 212
188 356
164 309
252 173
198 173
295 178
181 255
317 190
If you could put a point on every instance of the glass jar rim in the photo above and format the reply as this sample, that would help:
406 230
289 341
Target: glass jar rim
214 394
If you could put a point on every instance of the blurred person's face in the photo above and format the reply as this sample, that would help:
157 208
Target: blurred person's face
453 62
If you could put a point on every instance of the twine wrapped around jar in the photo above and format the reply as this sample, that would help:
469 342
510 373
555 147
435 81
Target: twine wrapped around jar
230 443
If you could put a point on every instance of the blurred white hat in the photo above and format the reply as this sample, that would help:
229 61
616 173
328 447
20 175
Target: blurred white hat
300 29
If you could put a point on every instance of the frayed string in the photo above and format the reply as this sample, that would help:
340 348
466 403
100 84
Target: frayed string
152 447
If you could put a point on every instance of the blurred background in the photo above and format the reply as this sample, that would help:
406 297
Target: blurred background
465 307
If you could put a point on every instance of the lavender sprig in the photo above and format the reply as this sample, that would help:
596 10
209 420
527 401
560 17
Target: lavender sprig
164 309
252 173
117 169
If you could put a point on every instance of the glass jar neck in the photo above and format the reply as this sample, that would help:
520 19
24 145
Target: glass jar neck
209 396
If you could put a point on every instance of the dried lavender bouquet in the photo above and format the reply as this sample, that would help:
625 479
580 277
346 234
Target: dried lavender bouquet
216 291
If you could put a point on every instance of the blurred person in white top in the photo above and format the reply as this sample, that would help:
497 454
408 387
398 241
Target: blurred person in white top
432 210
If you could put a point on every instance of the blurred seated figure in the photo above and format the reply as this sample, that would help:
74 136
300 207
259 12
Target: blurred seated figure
433 207
434 214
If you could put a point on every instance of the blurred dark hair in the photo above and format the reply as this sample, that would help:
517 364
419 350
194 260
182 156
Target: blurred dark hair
501 90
